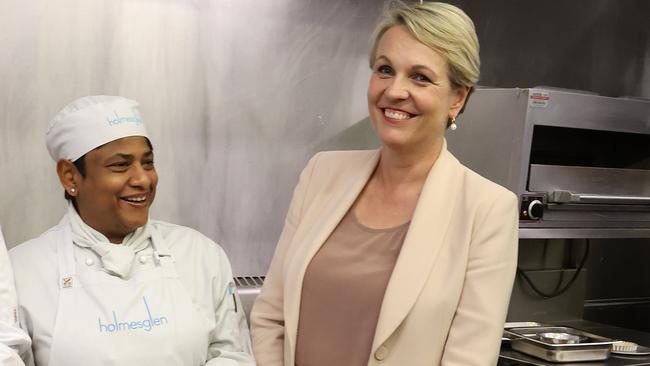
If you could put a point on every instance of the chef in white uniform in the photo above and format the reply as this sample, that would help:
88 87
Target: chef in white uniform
13 341
108 285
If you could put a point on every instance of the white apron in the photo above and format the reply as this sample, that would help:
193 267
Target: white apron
147 320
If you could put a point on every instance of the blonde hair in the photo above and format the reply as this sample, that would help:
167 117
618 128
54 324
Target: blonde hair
442 27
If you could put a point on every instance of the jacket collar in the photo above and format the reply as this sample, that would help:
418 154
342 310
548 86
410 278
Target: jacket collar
336 204
421 245
417 256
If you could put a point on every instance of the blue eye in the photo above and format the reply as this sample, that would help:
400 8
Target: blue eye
421 78
384 70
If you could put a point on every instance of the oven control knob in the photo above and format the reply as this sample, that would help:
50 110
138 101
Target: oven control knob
535 210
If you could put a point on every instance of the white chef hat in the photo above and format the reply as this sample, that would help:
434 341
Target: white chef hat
90 122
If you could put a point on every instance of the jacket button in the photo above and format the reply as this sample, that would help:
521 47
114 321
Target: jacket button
89 261
381 353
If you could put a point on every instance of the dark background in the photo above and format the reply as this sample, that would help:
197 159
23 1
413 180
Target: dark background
601 46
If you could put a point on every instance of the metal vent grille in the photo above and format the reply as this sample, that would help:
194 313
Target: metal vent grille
249 281
248 288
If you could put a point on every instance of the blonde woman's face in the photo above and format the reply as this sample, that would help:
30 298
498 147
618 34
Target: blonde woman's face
410 96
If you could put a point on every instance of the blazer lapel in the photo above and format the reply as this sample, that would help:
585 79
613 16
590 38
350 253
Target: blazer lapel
421 245
334 205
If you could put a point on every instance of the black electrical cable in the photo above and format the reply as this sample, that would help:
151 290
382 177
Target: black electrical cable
558 291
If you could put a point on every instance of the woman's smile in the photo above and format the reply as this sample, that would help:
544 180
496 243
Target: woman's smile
392 115
410 96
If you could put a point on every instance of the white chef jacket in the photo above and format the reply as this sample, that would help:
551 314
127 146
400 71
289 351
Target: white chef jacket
13 341
202 266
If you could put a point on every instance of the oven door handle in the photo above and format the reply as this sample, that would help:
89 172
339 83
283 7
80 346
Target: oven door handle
561 196
620 200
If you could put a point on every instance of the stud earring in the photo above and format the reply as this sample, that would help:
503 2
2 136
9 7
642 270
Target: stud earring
73 190
453 126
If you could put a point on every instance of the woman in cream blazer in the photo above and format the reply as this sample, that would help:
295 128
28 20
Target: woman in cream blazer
447 296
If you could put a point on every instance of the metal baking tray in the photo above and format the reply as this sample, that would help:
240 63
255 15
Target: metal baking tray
639 351
505 338
591 347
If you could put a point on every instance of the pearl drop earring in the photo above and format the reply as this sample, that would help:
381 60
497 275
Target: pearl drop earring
453 126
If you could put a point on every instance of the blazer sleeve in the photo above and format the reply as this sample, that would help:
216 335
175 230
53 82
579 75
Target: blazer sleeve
267 315
475 334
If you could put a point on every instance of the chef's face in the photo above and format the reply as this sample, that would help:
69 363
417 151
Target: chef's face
410 96
118 188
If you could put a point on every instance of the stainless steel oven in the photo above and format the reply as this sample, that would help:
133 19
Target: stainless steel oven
579 162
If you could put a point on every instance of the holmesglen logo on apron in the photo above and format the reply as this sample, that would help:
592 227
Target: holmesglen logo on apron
121 326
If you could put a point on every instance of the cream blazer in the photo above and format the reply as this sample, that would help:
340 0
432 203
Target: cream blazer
447 298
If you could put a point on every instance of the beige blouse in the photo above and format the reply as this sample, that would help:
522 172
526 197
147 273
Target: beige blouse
342 292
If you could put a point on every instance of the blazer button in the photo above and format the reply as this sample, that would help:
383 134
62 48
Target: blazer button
381 353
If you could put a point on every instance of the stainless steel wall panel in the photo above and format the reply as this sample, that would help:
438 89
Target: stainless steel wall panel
236 95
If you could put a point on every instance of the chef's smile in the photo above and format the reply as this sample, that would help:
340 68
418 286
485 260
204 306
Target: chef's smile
119 187
137 201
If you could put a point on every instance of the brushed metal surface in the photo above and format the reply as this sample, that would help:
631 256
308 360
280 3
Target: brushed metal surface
529 231
591 182
502 147
532 341
236 95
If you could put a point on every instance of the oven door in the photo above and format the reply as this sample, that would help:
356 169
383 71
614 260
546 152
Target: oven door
590 178
592 197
